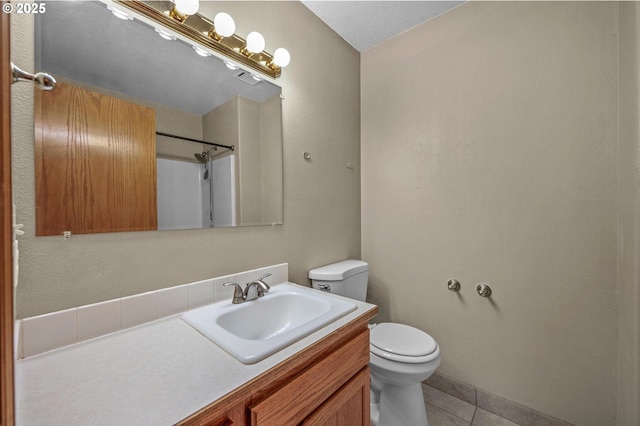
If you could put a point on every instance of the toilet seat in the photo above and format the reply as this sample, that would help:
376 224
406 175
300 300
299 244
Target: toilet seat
402 343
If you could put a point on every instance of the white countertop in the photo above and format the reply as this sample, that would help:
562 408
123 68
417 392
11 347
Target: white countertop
153 374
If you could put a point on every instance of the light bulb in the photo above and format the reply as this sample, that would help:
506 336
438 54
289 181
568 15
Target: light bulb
255 42
118 13
231 66
255 77
281 57
187 7
200 51
165 34
224 24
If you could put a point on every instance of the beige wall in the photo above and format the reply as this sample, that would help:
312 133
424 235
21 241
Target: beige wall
249 161
322 197
221 125
489 155
179 123
628 362
255 128
271 160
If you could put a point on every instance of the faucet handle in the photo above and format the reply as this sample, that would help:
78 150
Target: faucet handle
263 277
238 296
264 287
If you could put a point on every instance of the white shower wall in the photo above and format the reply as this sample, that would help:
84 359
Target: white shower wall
224 191
184 195
180 198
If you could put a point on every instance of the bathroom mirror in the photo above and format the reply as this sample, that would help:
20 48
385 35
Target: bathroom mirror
232 178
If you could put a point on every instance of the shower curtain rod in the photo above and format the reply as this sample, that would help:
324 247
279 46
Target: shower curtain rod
231 147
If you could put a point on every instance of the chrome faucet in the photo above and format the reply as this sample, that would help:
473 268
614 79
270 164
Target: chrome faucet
252 290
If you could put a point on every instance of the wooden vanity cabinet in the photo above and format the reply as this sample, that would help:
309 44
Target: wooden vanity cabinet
348 406
325 384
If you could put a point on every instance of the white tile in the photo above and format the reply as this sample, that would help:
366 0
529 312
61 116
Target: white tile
280 273
450 404
138 309
173 300
200 293
485 418
244 277
504 407
49 331
263 271
439 417
221 292
98 319
18 349
453 387
257 273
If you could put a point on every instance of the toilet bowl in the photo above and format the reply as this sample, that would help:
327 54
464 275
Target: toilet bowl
401 356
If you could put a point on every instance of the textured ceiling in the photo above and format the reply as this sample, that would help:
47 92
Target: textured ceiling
364 24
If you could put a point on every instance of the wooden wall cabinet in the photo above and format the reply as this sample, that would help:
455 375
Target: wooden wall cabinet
324 385
95 158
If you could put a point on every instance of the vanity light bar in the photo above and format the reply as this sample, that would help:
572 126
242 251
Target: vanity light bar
197 28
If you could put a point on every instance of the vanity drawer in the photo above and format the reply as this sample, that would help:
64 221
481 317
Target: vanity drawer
296 400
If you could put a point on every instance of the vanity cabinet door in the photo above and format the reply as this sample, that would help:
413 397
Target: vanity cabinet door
347 407
299 398
218 415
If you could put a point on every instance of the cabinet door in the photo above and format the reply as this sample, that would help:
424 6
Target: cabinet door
300 397
95 158
217 415
349 406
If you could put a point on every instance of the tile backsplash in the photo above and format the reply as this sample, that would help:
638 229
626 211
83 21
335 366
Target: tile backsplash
49 331
94 320
42 333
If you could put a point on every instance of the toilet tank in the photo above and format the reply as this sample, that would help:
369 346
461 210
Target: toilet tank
348 278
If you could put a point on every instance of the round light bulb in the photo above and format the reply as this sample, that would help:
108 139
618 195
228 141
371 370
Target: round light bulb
200 51
165 34
255 42
281 57
187 7
119 13
224 24
231 66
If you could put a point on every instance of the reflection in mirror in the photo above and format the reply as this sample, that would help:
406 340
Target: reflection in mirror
217 132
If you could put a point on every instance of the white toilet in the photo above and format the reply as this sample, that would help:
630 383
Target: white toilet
401 356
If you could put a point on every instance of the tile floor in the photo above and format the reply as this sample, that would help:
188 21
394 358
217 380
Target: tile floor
446 410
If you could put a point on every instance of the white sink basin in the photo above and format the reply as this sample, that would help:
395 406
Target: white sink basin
251 331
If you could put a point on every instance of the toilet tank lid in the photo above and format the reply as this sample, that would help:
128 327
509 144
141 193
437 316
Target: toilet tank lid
338 271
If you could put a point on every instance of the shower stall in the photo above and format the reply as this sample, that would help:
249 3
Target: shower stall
196 195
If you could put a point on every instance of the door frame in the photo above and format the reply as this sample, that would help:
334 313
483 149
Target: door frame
7 404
